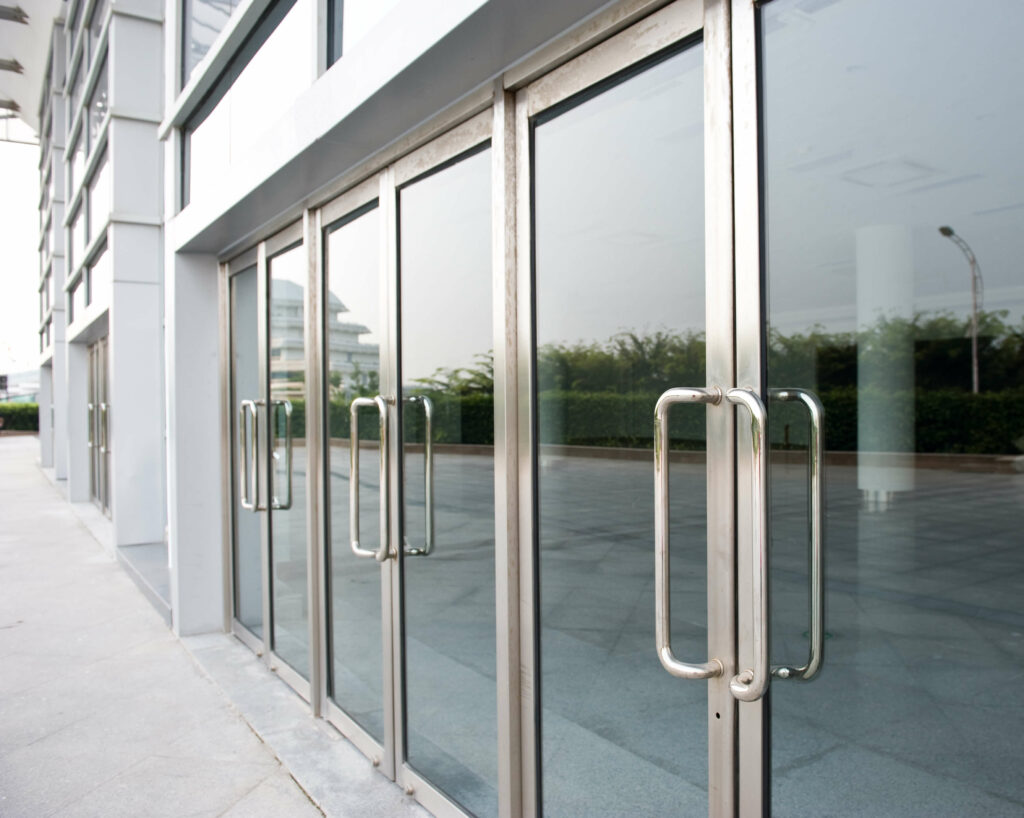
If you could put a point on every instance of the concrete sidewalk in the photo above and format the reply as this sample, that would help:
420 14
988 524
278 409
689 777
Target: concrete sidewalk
102 710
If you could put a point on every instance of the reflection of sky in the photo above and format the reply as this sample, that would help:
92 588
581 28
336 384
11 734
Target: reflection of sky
446 268
620 209
353 272
892 113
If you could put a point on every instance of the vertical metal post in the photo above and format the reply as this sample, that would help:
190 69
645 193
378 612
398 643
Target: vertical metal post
506 453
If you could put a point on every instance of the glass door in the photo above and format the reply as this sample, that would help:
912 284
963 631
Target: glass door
890 360
99 424
266 291
627 251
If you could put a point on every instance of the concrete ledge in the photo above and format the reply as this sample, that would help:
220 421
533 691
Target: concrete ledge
334 774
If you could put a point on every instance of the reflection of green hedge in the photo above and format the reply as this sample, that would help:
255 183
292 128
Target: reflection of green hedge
945 421
22 417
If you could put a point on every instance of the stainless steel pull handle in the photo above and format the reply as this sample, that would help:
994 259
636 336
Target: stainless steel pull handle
816 463
428 478
247 486
382 552
750 684
662 575
91 418
275 502
104 432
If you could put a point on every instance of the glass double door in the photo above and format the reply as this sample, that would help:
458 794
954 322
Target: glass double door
270 534
409 495
98 420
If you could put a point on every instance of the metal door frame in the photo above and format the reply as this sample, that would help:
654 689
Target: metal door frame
263 646
652 34
339 209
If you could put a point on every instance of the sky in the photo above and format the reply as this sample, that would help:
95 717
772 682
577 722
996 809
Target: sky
19 255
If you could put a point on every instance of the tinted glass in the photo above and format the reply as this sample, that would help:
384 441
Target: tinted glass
287 418
619 266
894 181
353 336
448 501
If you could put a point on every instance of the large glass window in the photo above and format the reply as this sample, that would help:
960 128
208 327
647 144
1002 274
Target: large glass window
99 198
894 176
98 106
78 238
202 22
266 71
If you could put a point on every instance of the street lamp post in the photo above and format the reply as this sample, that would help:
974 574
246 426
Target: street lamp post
976 285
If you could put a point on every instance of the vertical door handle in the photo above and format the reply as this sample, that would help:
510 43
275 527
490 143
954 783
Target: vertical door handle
750 684
248 445
662 575
816 495
91 420
275 502
428 478
104 436
381 403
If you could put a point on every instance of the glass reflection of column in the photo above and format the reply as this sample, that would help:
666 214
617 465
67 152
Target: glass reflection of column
885 363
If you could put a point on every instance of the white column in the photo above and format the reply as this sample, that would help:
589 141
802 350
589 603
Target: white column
885 364
76 423
195 495
45 418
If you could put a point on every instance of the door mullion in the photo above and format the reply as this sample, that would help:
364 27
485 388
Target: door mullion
262 454
721 575
394 750
751 751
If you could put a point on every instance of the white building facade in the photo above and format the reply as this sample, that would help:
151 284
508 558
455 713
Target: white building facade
381 327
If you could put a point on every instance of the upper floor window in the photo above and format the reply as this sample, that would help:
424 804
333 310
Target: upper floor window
202 21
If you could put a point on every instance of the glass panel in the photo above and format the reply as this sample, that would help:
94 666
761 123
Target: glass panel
447 373
76 90
98 106
99 16
353 335
78 302
77 169
202 22
100 274
289 586
245 385
99 198
255 91
893 178
619 266
78 239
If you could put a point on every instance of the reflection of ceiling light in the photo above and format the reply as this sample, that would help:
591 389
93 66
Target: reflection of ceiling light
888 173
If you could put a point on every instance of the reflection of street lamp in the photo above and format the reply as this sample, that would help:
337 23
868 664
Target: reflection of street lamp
975 296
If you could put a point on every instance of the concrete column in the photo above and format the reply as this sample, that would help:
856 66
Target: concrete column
885 363
45 417
61 440
195 495
76 384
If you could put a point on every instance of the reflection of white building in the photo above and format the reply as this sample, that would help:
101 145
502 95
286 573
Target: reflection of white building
349 356
353 359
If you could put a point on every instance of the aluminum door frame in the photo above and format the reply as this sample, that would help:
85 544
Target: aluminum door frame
447 148
276 244
659 30
228 270
261 255
381 756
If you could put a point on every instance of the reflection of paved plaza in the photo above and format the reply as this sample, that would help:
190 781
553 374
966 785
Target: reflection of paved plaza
924 617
